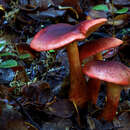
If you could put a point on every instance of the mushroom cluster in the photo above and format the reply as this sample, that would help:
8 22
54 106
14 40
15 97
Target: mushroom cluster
115 73
66 35
94 48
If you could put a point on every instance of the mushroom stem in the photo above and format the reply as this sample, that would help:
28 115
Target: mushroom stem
77 81
113 97
93 85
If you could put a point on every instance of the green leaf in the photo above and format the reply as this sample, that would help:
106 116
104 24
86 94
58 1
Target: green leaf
1 45
51 51
24 56
122 11
8 54
100 7
8 64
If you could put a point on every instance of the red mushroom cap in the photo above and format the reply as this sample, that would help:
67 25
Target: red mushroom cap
96 46
59 35
110 71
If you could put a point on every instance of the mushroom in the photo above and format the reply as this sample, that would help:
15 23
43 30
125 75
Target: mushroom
117 75
94 48
60 35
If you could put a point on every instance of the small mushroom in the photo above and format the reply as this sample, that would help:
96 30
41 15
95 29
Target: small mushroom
60 35
117 75
94 48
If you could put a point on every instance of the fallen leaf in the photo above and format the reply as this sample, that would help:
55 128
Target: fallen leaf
39 92
10 119
123 121
60 107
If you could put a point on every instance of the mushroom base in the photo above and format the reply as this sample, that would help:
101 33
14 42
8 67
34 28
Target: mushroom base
113 97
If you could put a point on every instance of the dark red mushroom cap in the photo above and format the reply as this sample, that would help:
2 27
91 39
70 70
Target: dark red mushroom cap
59 35
110 71
96 46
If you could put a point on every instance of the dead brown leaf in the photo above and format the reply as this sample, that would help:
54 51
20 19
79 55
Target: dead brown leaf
38 92
60 107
